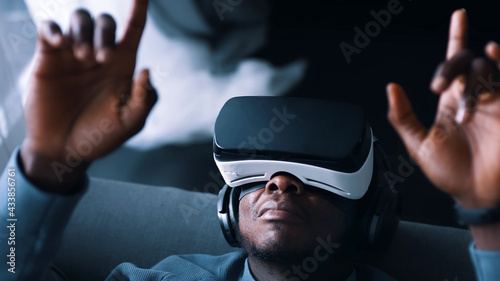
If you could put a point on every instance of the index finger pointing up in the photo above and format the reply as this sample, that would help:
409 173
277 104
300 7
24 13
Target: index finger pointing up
136 24
457 39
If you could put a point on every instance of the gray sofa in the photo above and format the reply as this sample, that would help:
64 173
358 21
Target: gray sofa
123 222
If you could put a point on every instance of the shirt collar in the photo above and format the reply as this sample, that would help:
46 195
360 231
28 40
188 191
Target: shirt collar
247 275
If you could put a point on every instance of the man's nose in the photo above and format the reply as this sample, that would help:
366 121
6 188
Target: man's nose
284 183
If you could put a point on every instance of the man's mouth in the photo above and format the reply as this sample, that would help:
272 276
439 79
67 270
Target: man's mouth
281 211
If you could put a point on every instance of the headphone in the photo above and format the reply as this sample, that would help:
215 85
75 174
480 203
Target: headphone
379 208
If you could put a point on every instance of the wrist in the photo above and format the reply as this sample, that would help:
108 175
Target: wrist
470 202
486 237
477 216
486 229
50 174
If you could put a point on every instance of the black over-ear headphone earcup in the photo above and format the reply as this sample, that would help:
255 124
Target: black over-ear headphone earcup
227 211
381 218
384 219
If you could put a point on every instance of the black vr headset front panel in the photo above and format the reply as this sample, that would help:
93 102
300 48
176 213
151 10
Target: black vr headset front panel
326 134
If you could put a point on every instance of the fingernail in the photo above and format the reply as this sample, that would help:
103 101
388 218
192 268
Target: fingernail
103 55
83 51
460 115
388 86
388 89
490 43
439 84
390 96
56 39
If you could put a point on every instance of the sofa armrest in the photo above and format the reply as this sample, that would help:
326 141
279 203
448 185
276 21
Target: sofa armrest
426 252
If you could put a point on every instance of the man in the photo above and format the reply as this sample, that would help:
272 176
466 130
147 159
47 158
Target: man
82 82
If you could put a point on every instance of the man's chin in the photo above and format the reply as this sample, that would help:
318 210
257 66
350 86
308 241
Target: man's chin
277 250
277 254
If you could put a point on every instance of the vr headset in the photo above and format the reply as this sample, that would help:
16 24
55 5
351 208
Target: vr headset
325 144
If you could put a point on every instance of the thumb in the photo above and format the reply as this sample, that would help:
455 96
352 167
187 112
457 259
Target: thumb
142 100
404 120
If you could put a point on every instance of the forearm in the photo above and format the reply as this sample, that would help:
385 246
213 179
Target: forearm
35 223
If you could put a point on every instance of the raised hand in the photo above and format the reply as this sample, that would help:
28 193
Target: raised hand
460 152
83 102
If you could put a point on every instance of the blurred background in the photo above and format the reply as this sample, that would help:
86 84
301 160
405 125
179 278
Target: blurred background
201 53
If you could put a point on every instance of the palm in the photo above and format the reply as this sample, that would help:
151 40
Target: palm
464 158
460 158
77 97
85 106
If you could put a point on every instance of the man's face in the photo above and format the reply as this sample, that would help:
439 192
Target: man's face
286 219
